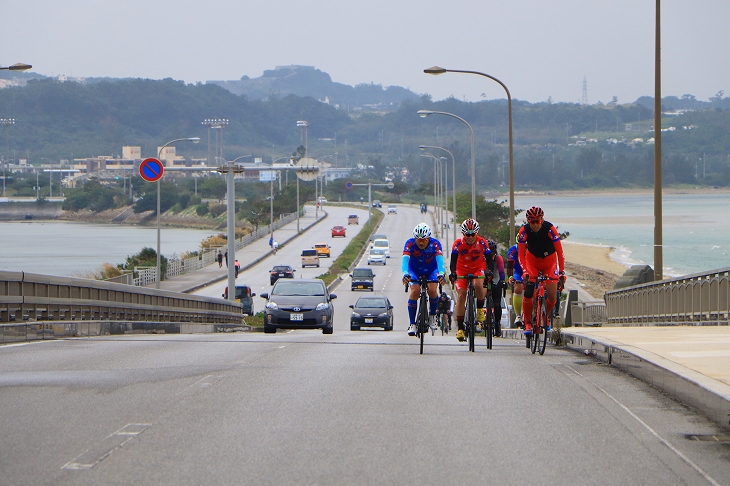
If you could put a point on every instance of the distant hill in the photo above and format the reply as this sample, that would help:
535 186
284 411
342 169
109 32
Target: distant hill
309 81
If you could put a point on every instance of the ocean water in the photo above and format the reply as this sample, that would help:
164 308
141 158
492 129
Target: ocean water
73 249
695 233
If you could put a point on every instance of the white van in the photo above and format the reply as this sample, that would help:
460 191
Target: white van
381 244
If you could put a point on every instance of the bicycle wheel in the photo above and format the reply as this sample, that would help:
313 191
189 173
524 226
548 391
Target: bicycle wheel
542 342
470 320
421 324
489 326
536 311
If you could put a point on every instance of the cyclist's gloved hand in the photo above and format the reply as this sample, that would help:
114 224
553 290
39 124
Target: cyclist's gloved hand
452 278
406 279
563 277
511 280
442 280
489 275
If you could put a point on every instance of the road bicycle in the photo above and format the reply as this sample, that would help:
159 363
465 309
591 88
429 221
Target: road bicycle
489 318
470 310
442 319
422 317
542 322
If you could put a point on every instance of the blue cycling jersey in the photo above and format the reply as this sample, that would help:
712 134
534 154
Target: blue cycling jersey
428 262
512 255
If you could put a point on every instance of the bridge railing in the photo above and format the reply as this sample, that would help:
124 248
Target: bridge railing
697 299
33 297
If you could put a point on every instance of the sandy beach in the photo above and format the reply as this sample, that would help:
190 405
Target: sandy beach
591 268
592 256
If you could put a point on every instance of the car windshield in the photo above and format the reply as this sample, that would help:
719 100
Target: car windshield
309 252
379 237
382 243
366 272
242 291
377 251
280 269
290 289
321 245
370 302
352 216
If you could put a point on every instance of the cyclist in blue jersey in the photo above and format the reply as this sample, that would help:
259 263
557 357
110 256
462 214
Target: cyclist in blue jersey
422 256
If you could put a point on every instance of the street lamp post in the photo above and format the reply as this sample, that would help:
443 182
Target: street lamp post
453 182
424 114
230 168
658 255
158 276
50 177
440 218
6 122
439 70
305 125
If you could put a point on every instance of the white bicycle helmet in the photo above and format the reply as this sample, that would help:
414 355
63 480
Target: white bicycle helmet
422 231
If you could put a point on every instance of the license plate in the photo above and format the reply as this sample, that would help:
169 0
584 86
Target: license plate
368 321
297 317
360 286
281 275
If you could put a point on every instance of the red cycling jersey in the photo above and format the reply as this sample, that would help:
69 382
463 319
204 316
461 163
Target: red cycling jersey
471 258
538 249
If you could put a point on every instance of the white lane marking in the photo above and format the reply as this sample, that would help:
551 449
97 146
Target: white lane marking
198 385
651 431
103 449
282 347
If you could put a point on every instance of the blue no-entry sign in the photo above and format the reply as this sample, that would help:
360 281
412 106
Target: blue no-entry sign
348 185
151 169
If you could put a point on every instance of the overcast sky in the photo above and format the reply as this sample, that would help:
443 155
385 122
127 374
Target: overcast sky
538 48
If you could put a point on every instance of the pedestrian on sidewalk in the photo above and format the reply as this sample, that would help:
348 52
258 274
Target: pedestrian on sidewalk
226 258
220 259
271 241
238 267
275 246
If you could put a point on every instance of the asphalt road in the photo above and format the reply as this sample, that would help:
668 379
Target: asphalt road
362 407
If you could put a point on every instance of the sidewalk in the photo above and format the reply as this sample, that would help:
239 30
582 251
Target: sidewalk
249 256
691 363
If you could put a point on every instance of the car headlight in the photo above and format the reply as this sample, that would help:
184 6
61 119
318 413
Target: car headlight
355 314
384 315
323 306
272 306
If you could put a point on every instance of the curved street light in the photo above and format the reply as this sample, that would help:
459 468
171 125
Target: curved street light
424 114
18 66
158 277
439 70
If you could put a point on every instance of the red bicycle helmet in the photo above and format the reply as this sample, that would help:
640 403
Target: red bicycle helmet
534 213
469 227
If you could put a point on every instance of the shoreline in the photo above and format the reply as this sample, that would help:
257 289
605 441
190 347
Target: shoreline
612 191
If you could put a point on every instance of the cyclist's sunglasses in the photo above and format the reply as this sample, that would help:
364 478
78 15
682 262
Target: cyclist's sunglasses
534 221
470 234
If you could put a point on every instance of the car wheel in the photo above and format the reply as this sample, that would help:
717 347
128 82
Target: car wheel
328 330
269 329
372 289
354 328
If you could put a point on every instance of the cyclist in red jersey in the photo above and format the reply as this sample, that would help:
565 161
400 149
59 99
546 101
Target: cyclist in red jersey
539 248
469 255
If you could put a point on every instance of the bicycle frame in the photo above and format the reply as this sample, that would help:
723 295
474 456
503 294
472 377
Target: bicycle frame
541 321
470 311
422 315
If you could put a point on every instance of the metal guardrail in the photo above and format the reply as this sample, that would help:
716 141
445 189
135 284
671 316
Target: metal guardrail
588 313
27 297
697 299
